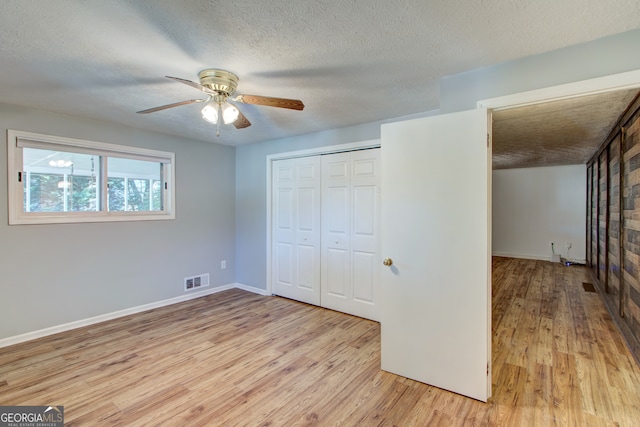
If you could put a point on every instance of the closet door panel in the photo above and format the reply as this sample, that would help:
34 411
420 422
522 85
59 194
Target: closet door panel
335 259
364 267
284 271
336 280
350 216
296 229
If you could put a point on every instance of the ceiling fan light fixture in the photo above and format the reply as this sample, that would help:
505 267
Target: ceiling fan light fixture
219 86
229 113
210 113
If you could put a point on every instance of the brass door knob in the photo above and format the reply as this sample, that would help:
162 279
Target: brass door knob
387 261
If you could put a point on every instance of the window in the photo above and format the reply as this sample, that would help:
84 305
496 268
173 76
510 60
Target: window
56 180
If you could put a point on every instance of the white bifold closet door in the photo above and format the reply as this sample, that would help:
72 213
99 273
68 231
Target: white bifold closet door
325 230
296 229
350 232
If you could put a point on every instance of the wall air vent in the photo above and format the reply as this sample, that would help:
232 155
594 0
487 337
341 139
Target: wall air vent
195 282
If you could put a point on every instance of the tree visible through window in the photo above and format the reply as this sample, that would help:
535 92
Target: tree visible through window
83 194
75 189
116 194
45 195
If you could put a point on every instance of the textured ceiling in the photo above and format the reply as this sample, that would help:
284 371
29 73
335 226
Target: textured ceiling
556 133
350 61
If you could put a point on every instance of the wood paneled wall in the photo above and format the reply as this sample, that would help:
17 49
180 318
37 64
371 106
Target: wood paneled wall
613 223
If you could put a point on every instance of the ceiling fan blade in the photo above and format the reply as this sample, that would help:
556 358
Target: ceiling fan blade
241 122
192 84
292 104
175 104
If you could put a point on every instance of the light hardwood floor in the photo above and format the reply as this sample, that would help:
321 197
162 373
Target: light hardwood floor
235 358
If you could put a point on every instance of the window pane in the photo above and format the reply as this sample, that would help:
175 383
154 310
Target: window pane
156 195
116 194
46 193
138 192
131 185
59 181
83 194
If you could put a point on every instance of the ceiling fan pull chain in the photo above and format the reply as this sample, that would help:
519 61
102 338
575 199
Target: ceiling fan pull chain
219 119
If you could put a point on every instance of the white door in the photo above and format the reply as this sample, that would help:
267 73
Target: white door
436 311
296 229
350 232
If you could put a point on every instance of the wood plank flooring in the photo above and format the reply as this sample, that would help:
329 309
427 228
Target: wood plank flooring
238 359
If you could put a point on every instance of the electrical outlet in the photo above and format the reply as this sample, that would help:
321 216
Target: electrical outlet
223 264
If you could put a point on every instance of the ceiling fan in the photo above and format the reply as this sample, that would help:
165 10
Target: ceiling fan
219 86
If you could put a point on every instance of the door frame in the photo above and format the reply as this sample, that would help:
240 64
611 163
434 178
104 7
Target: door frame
329 149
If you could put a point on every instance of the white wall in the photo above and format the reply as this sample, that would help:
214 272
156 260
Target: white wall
61 273
536 206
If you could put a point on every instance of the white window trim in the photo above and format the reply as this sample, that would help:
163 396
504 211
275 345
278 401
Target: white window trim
17 139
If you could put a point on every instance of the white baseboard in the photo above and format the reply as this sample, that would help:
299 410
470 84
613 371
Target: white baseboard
5 342
253 289
536 257
522 256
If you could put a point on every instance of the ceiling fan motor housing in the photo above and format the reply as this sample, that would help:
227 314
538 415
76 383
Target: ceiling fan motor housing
220 81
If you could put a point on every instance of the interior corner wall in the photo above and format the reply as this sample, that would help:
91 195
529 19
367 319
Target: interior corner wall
55 274
533 207
606 56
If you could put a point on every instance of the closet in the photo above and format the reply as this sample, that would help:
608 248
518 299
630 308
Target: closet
325 230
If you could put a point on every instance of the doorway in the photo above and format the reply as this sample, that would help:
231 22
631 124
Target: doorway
557 126
574 94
